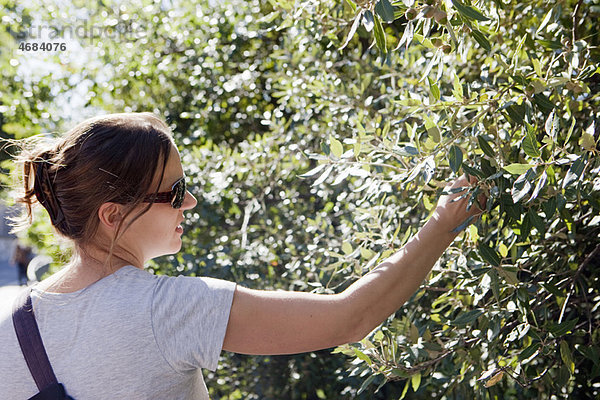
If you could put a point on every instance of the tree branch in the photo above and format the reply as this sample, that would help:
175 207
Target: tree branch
576 21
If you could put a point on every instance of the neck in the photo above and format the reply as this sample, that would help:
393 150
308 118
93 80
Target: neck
88 265
108 261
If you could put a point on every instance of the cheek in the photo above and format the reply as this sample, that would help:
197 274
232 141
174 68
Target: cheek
146 224
159 221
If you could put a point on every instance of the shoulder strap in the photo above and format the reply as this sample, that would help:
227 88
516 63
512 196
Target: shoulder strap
31 343
53 392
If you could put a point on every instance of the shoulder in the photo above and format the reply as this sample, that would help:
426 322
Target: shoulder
178 287
196 287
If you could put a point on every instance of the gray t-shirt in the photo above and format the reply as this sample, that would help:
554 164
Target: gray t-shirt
131 335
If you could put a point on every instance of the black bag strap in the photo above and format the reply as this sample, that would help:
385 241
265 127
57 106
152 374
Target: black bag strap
31 343
53 392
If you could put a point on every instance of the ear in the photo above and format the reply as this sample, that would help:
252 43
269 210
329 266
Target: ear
110 215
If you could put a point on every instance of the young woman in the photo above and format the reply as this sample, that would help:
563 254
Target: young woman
115 186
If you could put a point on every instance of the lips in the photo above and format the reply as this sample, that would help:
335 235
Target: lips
179 228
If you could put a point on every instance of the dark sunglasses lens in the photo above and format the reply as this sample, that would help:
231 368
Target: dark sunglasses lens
178 193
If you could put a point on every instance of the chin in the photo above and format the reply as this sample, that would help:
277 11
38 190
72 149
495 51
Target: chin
175 248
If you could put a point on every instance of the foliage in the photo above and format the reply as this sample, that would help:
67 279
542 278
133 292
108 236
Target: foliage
22 105
506 92
26 109
318 135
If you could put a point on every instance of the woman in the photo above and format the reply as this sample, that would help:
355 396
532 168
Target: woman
21 258
115 187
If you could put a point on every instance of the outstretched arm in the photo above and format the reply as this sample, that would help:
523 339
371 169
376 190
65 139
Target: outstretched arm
279 322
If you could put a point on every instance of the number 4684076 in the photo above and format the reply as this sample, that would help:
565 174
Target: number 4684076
44 46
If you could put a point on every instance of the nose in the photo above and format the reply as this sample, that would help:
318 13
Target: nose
189 201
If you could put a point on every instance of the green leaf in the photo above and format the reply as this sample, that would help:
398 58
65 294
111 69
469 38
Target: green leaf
543 102
530 144
415 381
407 36
550 44
405 390
503 250
522 186
464 224
408 151
539 186
323 176
337 149
536 221
571 129
357 147
386 128
385 10
428 169
517 169
435 60
347 248
473 171
508 275
325 147
413 333
552 124
567 357
551 288
434 134
563 328
550 207
313 171
353 29
537 66
574 173
455 158
489 255
485 147
562 377
467 317
529 351
520 79
481 39
545 21
587 140
457 89
495 284
516 112
590 352
469 12
359 354
366 383
380 39
435 90
352 5
414 173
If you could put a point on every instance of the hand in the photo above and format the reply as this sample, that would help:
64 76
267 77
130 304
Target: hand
451 210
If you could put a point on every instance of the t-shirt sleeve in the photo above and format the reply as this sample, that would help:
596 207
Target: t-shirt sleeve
189 319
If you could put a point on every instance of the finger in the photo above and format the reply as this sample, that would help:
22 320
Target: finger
472 179
482 202
459 183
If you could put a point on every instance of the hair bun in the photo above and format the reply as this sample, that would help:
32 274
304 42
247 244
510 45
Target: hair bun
44 189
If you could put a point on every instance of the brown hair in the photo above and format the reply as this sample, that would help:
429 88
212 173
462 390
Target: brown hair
112 158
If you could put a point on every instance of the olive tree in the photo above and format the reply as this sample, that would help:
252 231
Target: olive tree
506 92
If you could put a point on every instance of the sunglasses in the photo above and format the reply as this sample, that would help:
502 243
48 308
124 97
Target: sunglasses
176 196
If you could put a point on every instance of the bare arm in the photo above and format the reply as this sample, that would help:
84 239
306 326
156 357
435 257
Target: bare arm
269 322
